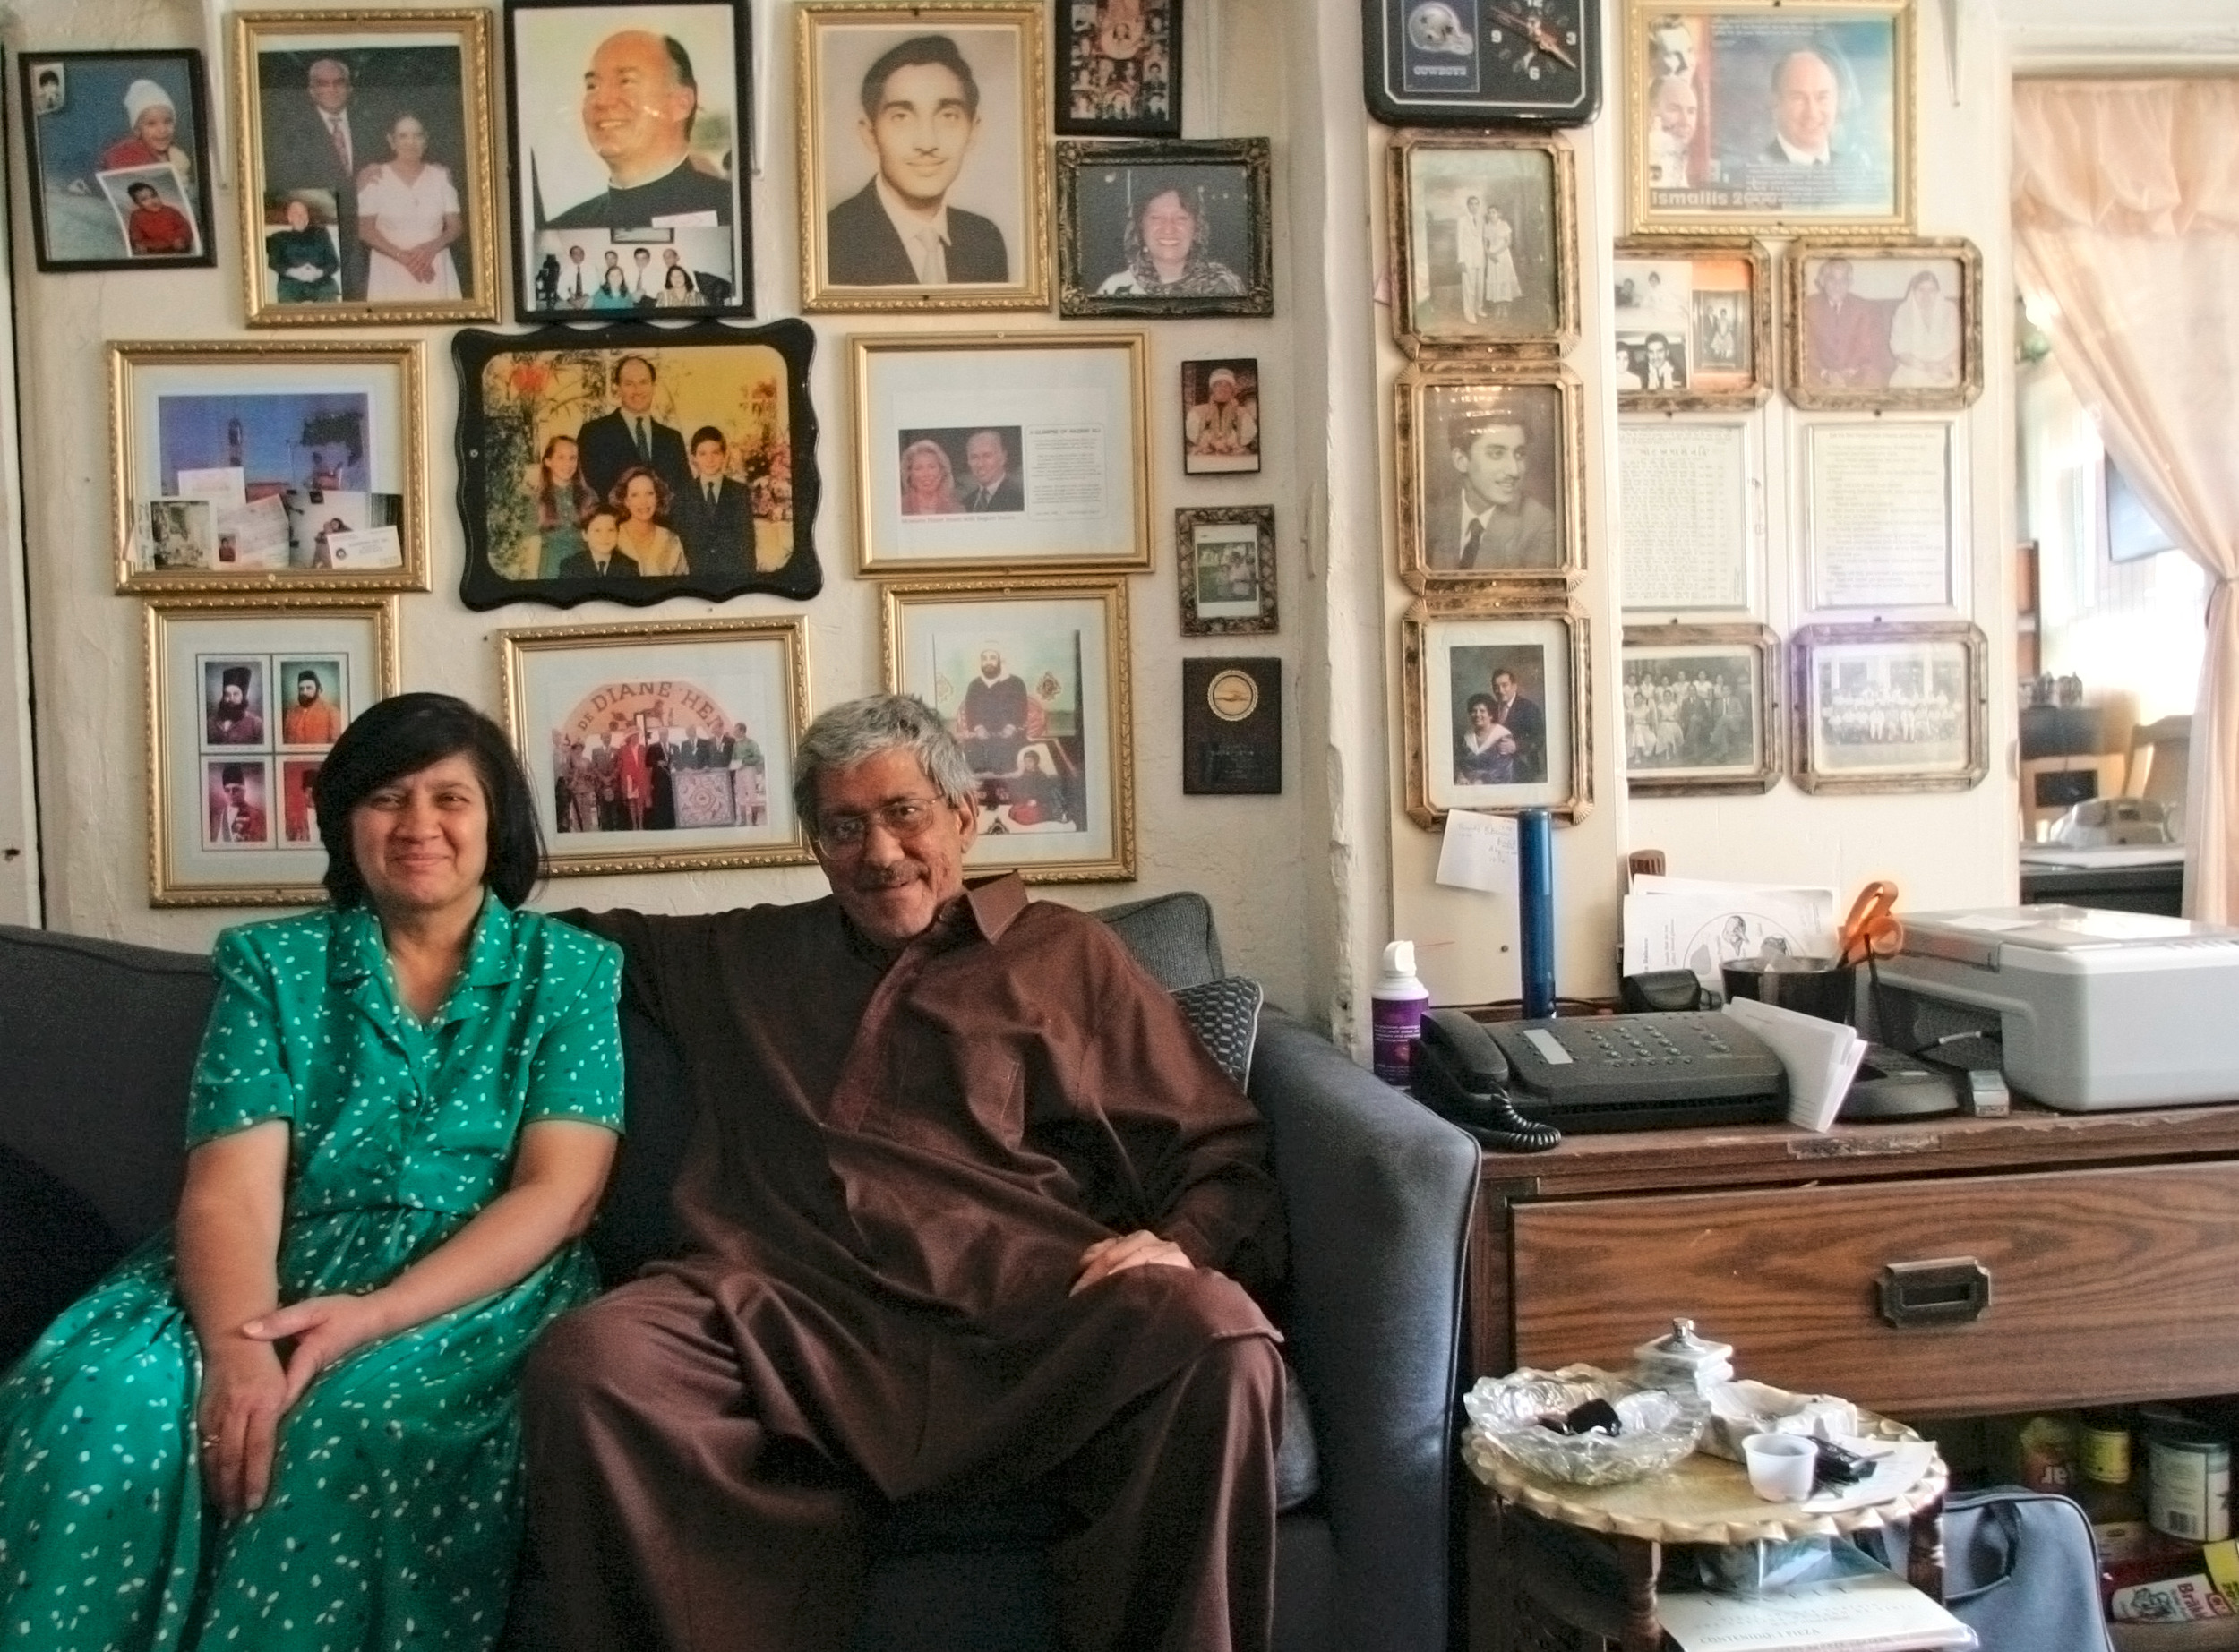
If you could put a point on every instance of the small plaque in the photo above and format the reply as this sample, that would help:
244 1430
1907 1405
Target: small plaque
1231 726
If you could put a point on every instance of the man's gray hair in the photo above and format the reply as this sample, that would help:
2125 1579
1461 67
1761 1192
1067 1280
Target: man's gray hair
861 729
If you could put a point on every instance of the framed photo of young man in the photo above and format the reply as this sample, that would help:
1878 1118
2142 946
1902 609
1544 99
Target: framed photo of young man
1495 706
1033 676
922 156
1490 483
364 143
1693 325
1165 228
1481 228
118 160
630 123
1118 68
1888 707
1701 710
1884 325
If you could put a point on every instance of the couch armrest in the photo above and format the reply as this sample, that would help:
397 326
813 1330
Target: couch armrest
1378 1191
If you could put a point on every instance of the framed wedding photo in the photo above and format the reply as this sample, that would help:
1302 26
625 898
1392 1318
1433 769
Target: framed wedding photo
921 156
363 141
1888 707
1769 116
1224 558
244 700
1033 676
1118 68
1490 476
637 463
631 122
1164 230
1884 325
1693 325
662 745
1494 704
1023 451
1701 710
267 466
1481 231
118 160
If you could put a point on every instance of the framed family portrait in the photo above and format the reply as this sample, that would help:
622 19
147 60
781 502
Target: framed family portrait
1033 676
1219 418
1490 474
1023 451
660 746
364 142
1164 230
1495 702
1701 710
1481 232
1224 558
1693 325
1888 707
1118 68
1771 116
267 466
637 463
631 122
117 155
244 699
1884 325
921 156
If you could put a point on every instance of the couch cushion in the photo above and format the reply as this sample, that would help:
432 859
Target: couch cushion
53 1247
1172 936
1225 1014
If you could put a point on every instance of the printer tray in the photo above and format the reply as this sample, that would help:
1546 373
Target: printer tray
1582 1117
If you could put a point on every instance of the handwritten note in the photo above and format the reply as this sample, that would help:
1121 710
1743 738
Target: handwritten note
1479 852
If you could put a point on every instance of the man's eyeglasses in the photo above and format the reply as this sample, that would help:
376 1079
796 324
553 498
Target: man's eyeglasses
905 819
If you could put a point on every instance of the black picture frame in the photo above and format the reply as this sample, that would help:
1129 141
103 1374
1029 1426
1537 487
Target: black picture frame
63 128
552 44
520 393
1482 63
1105 190
1088 78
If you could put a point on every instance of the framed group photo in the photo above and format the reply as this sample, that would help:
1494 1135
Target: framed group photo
1771 116
364 140
244 702
118 158
1489 459
637 463
1495 706
1224 558
1884 325
1164 230
272 467
1023 451
1888 707
1701 710
1033 676
660 746
1693 325
631 121
921 156
1118 68
1481 228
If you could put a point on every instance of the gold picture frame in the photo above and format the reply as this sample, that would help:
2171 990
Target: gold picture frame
1905 335
229 819
928 502
267 466
1537 750
1032 668
1491 475
1893 707
1710 302
853 256
1731 746
296 74
1512 200
716 735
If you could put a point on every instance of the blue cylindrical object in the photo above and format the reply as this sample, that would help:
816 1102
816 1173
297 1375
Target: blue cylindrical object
1535 910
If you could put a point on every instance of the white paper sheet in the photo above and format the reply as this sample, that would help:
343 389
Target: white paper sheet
1673 923
1821 1056
1479 852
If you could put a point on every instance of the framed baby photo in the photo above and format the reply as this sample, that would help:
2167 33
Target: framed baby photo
1224 558
636 463
1219 418
1012 451
363 141
1693 325
1884 325
1494 704
268 467
1118 68
632 124
1769 116
1888 707
1489 475
922 156
243 701
1481 232
118 160
660 745
1164 230
1701 710
1033 676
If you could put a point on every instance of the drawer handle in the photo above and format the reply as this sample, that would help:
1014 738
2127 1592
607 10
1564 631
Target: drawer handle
1952 1291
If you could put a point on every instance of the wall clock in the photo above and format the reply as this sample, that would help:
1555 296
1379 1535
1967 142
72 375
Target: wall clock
1473 62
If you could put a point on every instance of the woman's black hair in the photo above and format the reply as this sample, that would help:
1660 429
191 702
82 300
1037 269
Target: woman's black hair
401 736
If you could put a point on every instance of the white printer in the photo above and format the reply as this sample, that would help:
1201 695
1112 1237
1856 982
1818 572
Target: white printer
2093 1009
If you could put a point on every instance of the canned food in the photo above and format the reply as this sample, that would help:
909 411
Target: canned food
2188 1480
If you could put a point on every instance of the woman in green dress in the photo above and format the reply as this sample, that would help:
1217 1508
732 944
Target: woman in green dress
290 1421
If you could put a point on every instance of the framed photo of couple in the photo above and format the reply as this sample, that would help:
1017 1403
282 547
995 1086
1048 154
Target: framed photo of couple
118 160
1884 325
1494 705
1489 457
1481 230
1694 325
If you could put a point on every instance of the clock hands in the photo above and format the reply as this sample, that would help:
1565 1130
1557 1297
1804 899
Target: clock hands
1535 30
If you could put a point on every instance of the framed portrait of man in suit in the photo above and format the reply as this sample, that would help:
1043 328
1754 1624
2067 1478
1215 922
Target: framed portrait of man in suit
1490 476
924 156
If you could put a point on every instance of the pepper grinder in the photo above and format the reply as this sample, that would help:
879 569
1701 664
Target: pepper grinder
1684 1361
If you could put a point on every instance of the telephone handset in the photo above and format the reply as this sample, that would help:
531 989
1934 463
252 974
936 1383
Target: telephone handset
1461 1074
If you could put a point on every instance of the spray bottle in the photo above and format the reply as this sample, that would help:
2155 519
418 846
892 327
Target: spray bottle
1397 1005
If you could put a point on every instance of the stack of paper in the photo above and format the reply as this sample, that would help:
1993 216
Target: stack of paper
1692 923
1877 1612
1821 1056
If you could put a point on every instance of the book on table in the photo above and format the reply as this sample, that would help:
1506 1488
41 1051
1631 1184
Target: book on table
1874 1612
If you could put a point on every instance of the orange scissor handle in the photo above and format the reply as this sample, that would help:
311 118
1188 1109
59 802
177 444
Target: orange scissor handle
1872 930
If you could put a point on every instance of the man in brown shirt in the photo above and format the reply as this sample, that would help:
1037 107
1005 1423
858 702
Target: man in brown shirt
966 1211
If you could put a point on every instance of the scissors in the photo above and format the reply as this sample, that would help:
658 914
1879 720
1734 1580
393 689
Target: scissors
1872 930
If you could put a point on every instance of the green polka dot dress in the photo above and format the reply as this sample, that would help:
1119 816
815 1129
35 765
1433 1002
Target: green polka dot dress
394 1512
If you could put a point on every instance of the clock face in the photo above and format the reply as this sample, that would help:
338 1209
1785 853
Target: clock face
1232 696
1470 62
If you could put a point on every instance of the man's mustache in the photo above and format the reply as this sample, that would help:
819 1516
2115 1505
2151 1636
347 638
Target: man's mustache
870 879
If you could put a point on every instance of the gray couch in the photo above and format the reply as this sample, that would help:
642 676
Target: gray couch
97 1040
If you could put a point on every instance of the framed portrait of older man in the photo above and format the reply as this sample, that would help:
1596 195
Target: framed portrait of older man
1490 476
922 156
631 125
1770 115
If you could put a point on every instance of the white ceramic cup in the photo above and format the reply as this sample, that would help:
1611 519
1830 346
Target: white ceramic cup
1781 1466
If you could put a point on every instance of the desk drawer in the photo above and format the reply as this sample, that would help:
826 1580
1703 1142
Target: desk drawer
2104 1284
